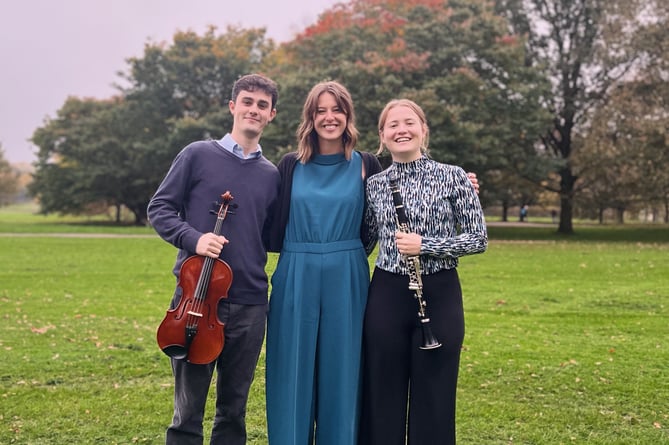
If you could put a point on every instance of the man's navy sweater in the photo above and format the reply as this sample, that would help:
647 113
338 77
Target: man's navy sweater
180 211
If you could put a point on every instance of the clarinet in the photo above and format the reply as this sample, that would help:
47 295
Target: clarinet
413 264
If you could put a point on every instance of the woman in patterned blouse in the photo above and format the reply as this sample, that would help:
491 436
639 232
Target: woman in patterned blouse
445 222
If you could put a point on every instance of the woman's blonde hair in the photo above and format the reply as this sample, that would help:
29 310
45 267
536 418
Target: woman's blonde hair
307 138
413 106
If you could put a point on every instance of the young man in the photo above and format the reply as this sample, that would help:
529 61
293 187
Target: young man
180 213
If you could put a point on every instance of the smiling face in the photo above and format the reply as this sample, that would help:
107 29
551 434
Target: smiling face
403 133
329 121
251 111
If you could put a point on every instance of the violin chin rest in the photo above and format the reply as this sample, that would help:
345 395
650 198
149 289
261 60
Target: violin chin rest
178 352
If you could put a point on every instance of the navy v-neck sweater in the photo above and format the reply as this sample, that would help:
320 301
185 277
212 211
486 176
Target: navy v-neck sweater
180 211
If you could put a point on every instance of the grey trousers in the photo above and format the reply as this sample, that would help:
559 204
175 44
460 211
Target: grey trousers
244 333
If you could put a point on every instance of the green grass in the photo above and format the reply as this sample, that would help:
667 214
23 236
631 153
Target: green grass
566 343
629 233
24 218
567 339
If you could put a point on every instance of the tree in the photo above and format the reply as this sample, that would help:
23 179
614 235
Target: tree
476 73
586 47
86 160
180 92
9 180
115 152
624 161
457 60
652 88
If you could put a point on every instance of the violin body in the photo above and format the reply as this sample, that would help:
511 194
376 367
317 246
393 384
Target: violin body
193 331
207 342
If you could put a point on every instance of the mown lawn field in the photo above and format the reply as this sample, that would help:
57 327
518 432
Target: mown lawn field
567 338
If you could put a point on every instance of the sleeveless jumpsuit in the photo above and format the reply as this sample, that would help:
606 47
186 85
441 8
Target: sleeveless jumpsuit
316 309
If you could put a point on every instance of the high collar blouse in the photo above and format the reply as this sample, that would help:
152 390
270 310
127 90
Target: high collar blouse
441 205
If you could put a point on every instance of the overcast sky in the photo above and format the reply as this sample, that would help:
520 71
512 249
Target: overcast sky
52 49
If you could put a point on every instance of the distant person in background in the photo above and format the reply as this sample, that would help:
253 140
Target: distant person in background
408 393
554 215
523 213
180 212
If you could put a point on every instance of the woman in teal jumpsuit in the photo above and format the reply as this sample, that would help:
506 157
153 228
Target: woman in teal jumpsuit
319 288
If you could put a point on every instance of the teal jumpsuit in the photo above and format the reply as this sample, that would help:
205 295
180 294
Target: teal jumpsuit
316 309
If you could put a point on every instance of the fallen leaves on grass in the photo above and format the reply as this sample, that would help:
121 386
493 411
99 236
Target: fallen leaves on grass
42 330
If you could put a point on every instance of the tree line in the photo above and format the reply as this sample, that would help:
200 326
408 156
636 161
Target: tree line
537 96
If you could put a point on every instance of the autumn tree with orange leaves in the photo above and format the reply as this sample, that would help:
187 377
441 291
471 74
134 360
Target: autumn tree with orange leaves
456 59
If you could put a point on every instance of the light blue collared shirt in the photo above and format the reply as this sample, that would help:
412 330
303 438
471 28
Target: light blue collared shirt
233 147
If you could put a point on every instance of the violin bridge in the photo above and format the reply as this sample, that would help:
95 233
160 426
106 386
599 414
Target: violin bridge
195 314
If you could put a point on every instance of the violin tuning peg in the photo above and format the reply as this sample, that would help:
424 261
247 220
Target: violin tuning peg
214 207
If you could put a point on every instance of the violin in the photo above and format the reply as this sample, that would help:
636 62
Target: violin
192 330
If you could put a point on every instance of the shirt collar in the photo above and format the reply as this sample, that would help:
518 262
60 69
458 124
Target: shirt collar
233 147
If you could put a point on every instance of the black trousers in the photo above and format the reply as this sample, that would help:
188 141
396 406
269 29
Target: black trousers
409 393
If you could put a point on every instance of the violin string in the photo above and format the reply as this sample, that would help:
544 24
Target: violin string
206 270
200 290
205 276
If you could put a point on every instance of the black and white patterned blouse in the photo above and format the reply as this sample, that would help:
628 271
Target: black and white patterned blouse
441 205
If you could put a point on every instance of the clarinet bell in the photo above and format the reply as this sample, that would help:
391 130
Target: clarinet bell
429 340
